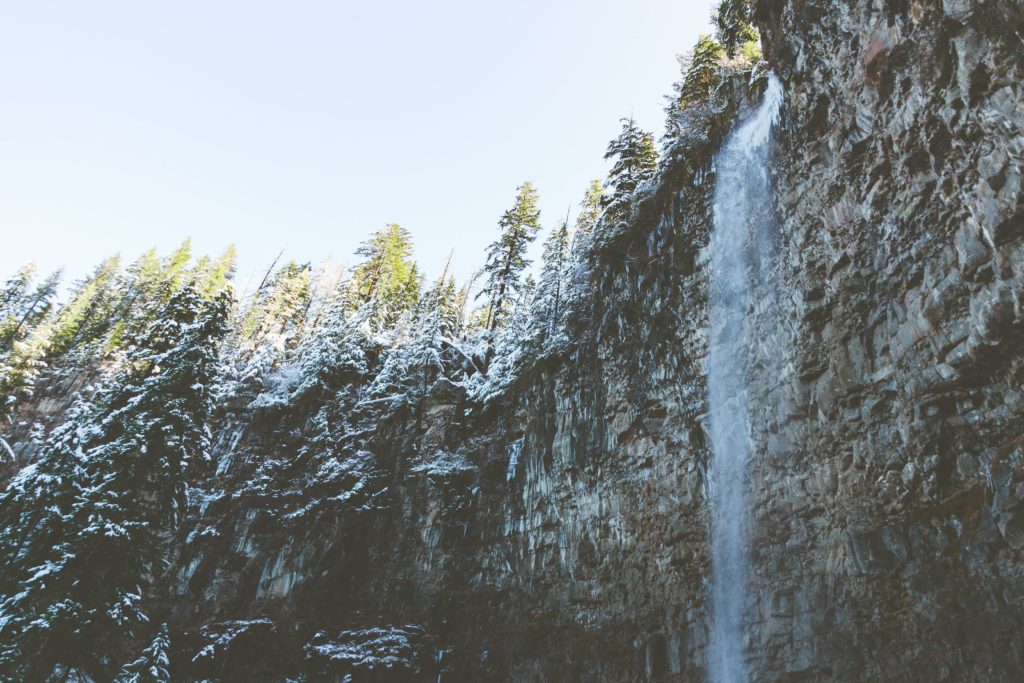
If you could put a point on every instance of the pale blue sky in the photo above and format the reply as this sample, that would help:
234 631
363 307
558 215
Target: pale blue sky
305 125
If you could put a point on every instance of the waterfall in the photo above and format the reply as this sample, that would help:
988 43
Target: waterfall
741 238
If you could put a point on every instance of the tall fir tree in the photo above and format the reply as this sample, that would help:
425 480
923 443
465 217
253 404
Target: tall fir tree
115 473
28 310
153 666
88 315
701 72
212 275
635 160
591 209
15 288
279 306
387 278
733 21
506 256
549 298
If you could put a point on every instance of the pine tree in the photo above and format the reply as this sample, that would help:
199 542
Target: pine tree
152 666
117 473
36 533
149 283
25 335
509 350
14 291
26 311
213 275
88 315
387 278
591 209
733 20
21 366
701 72
506 257
332 356
635 160
549 299
279 307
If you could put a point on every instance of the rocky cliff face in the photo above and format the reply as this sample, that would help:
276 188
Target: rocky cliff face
561 534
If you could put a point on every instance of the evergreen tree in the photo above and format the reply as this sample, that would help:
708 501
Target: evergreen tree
509 350
333 355
702 73
149 283
279 307
36 532
733 20
14 291
549 298
213 275
635 160
25 333
74 586
152 666
27 310
506 257
591 209
88 315
387 278
21 366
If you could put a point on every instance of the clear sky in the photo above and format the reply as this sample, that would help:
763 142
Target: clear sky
305 125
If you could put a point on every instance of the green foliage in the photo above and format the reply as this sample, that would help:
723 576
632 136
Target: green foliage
635 160
549 298
88 315
152 665
25 325
81 526
212 276
733 21
280 305
387 278
701 72
149 283
506 256
591 209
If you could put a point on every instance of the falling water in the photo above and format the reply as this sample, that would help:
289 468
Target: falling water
739 241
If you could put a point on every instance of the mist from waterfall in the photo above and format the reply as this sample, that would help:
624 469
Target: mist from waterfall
740 242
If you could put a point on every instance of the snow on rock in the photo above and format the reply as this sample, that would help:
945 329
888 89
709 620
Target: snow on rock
445 465
395 649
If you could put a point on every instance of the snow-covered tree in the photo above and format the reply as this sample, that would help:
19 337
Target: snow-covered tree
733 20
635 160
152 665
509 350
549 299
506 256
148 284
702 72
410 368
387 278
27 310
112 479
38 529
279 306
89 312
591 209
333 355
212 275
